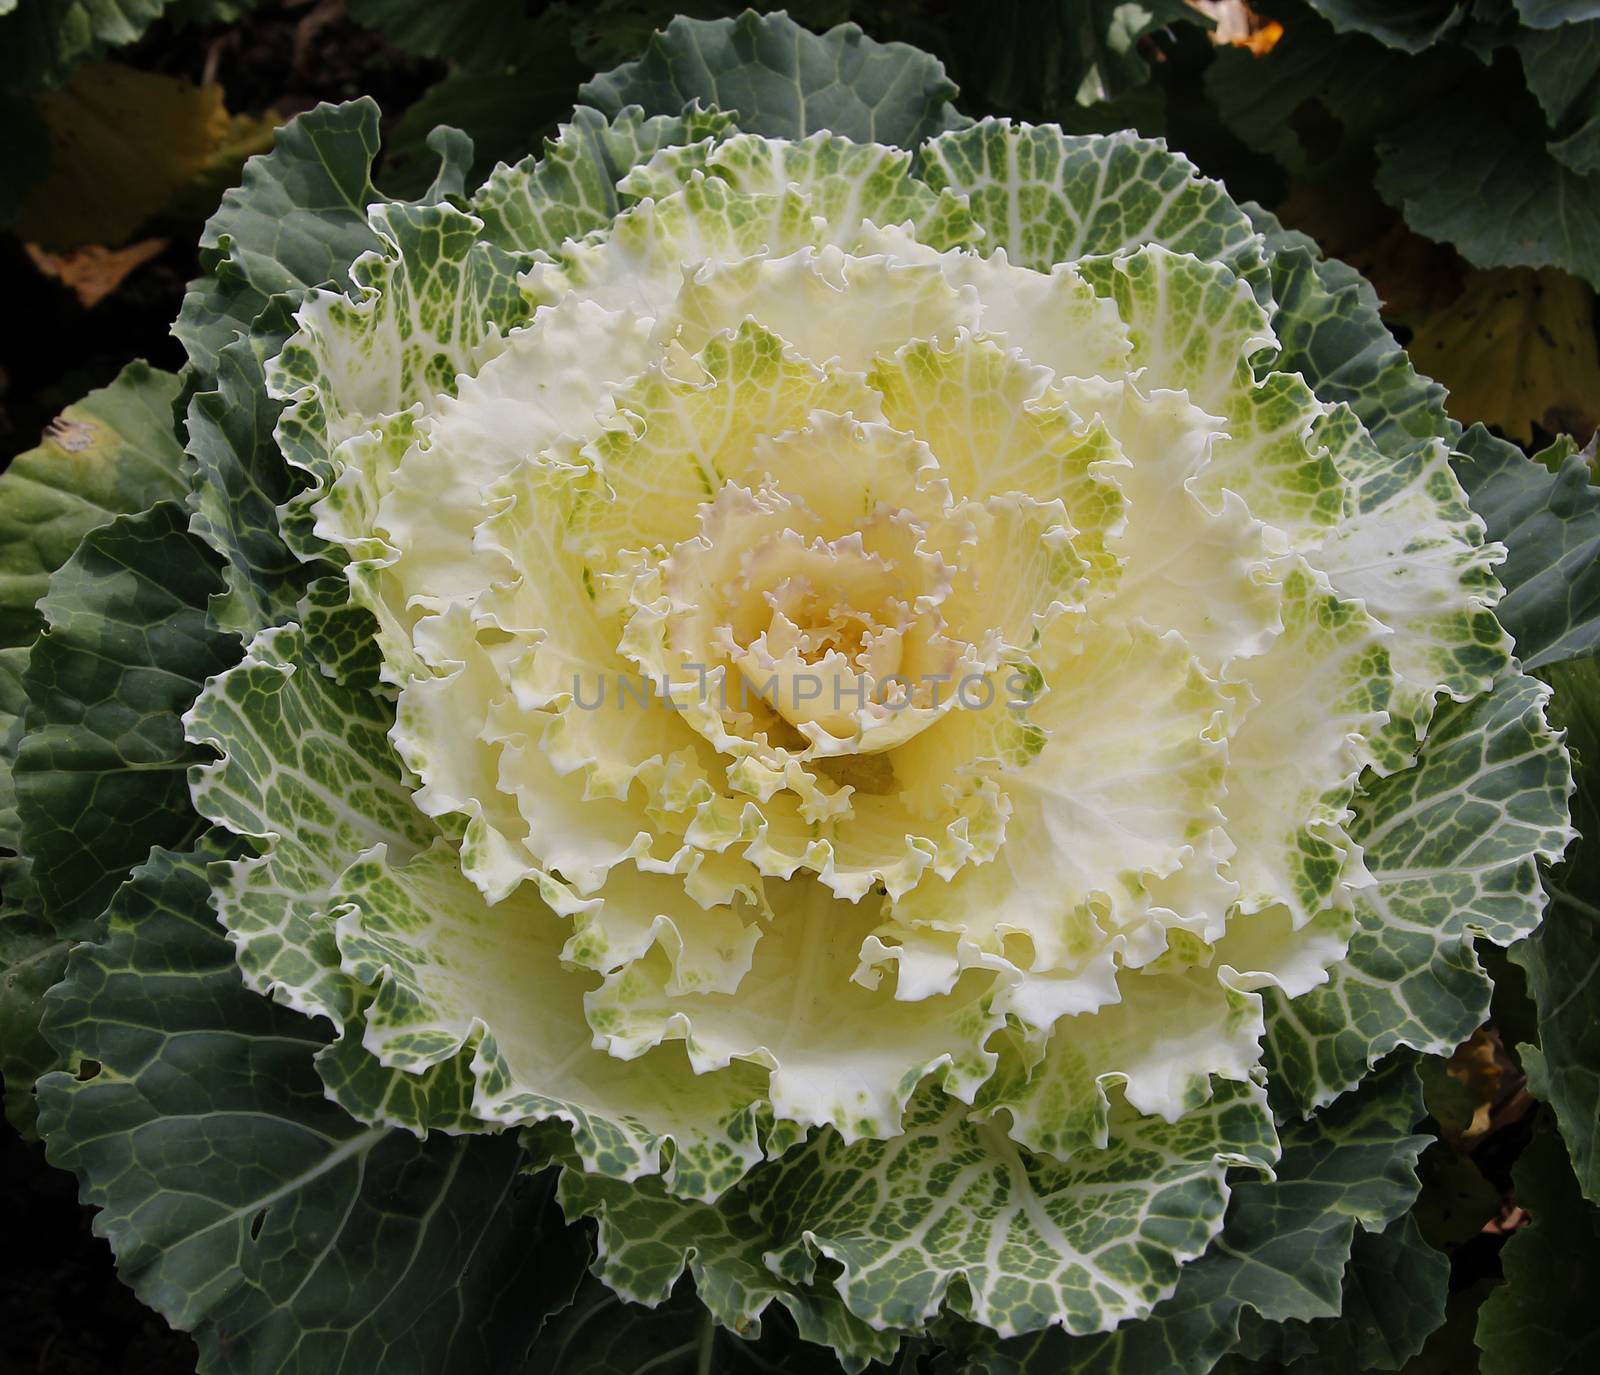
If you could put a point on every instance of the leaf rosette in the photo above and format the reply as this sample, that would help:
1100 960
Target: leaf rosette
865 704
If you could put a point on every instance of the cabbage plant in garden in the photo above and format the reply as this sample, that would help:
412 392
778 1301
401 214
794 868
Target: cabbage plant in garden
800 732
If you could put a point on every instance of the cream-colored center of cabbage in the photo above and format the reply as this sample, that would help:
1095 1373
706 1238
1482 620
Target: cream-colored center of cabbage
816 631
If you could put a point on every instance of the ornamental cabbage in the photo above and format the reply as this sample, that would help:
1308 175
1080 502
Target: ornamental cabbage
905 720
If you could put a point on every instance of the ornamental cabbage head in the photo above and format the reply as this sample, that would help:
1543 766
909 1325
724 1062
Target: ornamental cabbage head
870 706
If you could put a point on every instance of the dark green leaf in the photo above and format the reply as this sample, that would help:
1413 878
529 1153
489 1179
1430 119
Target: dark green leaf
1563 71
1408 24
41 41
599 1334
112 453
240 480
297 220
1548 14
1550 524
1562 958
102 772
1543 1317
1474 172
1330 332
1282 1252
1394 1299
784 81
244 1206
107 697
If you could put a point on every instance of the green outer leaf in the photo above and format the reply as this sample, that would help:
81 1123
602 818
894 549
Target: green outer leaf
1475 174
41 41
571 190
1542 1318
1393 1300
784 81
1549 14
1330 332
1282 1251
1562 66
483 32
112 453
308 775
950 1212
1453 845
1046 197
1562 958
599 1334
1464 151
245 1207
240 480
298 219
1410 25
1550 523
102 772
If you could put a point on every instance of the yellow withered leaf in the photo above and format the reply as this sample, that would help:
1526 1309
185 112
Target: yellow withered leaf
1517 350
122 142
93 272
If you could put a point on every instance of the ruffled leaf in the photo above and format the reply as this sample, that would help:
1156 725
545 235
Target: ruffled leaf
239 480
572 190
951 1210
297 220
102 771
1329 331
1550 524
1047 197
1562 958
255 1213
1453 845
308 774
1393 1300
784 82
1282 1250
